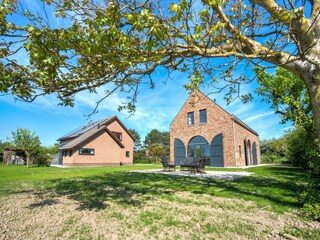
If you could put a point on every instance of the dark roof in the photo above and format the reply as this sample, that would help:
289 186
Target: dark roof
81 130
89 131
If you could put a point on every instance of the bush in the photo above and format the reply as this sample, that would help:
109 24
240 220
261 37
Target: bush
272 158
42 159
309 199
303 150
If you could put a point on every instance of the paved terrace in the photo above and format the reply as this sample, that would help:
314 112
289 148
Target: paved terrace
229 176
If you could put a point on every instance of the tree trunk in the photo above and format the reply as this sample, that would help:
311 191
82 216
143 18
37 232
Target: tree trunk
313 86
28 159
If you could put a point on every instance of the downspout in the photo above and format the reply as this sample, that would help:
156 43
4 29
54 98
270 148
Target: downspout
234 141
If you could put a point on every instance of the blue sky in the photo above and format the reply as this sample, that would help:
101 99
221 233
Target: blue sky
156 108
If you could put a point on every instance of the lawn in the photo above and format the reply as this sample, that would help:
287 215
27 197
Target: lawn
114 203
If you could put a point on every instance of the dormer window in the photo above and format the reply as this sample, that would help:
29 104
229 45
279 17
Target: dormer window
118 135
203 116
190 118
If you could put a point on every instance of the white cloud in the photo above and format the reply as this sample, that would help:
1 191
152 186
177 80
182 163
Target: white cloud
256 117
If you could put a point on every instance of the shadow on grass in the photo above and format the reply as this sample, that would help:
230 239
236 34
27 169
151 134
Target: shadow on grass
273 186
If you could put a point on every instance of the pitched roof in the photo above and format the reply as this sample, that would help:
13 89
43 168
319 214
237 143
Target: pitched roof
89 131
237 120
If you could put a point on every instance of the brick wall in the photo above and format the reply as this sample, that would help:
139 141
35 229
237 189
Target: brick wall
218 121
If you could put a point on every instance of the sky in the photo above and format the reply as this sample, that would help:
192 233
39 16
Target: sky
155 109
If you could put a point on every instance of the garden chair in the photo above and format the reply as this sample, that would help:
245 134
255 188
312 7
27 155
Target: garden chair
198 166
186 164
166 165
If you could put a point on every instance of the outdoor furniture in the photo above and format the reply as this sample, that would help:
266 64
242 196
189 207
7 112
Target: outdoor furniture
166 165
198 166
186 164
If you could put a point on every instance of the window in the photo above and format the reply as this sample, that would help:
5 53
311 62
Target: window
203 116
118 135
240 150
127 153
65 153
86 151
198 147
70 153
190 118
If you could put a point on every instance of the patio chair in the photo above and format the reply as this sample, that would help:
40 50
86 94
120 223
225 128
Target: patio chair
198 166
186 164
166 165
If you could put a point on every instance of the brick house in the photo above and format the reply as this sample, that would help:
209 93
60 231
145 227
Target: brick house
104 142
204 129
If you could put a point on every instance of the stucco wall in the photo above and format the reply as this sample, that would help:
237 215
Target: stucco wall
106 150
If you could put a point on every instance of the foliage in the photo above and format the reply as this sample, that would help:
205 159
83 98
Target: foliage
273 150
137 138
42 159
3 146
287 94
309 198
156 151
120 44
26 141
139 156
302 149
157 137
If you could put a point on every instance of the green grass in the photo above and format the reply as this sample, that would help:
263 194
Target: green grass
272 188
150 204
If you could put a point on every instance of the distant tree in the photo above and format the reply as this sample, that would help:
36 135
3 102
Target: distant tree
3 146
52 149
273 150
155 136
26 141
156 151
137 138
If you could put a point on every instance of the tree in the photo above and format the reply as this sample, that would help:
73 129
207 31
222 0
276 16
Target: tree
287 94
157 150
121 43
137 138
157 137
26 141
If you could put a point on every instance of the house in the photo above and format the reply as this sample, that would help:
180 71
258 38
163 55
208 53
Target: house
203 129
104 142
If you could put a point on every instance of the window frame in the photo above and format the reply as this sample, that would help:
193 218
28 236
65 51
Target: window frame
205 111
192 122
81 153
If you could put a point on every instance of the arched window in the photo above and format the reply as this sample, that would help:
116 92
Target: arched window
198 147
216 151
179 151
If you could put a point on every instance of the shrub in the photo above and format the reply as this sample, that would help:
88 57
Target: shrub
303 150
42 159
272 158
309 198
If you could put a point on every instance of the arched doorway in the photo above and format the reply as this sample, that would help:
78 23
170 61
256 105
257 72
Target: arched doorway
179 151
216 151
247 148
254 153
198 147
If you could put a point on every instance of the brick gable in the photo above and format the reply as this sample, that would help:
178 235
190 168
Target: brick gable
218 122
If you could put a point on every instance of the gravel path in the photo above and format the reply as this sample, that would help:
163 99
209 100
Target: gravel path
229 176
